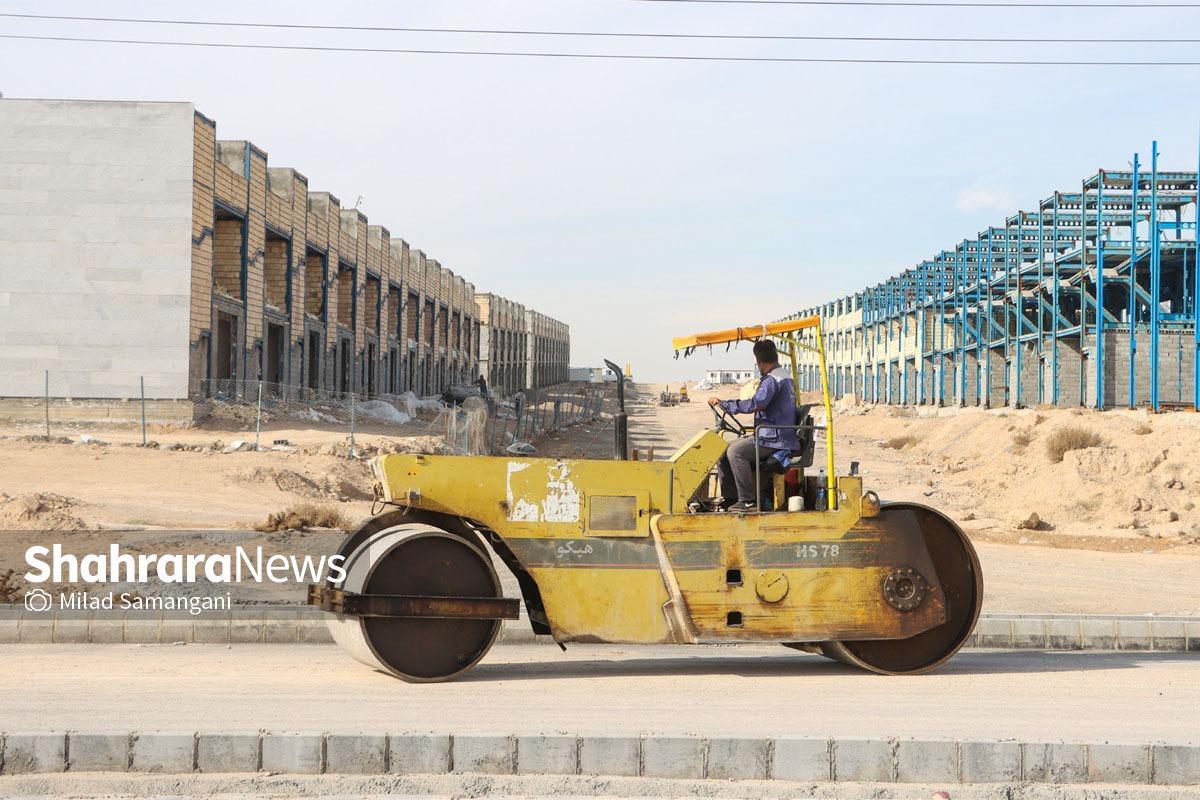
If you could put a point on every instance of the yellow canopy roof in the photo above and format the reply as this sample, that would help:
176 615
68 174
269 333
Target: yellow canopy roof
748 332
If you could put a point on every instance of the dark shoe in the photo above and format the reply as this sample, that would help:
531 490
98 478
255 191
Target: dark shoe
742 506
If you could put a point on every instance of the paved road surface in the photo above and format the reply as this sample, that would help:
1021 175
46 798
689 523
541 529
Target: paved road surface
439 787
531 787
752 690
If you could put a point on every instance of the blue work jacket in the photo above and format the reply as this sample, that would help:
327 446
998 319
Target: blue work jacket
773 404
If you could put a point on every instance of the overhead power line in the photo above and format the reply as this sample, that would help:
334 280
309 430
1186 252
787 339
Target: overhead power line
930 4
613 34
605 56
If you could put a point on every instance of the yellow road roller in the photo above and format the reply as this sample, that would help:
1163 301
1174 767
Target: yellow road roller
641 552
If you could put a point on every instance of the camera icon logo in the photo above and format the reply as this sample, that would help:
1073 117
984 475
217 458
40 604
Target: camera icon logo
38 600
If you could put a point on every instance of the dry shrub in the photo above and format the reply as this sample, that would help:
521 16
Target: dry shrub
1021 439
301 516
1142 430
10 589
1070 437
899 442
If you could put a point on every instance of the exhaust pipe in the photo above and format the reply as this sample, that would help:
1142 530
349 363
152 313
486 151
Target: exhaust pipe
621 420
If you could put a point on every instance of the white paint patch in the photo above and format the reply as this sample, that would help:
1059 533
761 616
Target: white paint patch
519 509
562 498
561 503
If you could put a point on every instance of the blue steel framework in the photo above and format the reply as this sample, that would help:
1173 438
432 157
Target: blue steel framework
1089 300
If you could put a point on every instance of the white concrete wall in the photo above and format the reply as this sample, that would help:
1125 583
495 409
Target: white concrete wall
95 247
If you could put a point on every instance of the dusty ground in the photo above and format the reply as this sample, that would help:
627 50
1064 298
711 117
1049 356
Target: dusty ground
988 470
87 485
1135 491
750 690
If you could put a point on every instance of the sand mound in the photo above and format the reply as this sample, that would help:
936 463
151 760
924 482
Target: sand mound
41 511
342 481
1138 478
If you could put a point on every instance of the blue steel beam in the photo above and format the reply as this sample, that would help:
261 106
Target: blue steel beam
1100 292
1155 276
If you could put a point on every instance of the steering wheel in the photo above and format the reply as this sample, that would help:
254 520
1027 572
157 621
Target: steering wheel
724 421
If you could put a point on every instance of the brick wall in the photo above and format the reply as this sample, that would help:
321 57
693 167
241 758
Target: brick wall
227 255
314 279
371 305
204 155
276 267
345 296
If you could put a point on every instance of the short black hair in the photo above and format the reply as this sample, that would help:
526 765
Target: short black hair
765 352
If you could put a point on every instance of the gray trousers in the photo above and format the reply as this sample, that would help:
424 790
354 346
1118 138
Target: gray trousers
736 469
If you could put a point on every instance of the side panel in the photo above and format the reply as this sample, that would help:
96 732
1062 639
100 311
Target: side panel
804 576
598 585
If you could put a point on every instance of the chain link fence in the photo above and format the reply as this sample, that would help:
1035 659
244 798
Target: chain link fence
515 422
461 422
268 408
467 424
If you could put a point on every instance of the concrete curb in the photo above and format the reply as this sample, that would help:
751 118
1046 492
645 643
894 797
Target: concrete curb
303 624
678 757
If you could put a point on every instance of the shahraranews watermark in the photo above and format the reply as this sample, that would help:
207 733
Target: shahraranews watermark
52 564
116 580
40 600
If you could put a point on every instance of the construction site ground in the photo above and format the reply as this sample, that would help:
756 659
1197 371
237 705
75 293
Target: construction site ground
1117 528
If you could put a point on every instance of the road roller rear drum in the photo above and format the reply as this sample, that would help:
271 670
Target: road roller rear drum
416 601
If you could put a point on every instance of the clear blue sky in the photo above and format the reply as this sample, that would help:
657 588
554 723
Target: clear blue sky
641 200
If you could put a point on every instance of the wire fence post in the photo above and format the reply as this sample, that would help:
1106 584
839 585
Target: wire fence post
47 404
518 414
352 424
258 417
142 386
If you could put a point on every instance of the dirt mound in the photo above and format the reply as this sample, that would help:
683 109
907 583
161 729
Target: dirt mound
40 511
1116 473
345 480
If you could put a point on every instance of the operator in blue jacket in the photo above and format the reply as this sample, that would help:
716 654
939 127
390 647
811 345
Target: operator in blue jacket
773 404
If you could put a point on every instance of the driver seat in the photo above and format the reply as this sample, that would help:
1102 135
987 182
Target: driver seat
803 457
782 469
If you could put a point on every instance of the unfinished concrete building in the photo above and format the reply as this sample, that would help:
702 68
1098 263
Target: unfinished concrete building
307 293
520 348
547 350
1090 300
137 244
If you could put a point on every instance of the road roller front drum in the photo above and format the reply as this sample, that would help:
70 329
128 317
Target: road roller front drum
416 602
